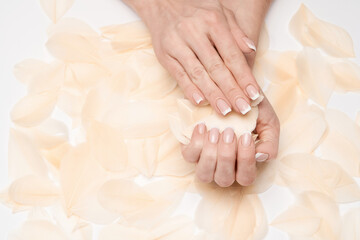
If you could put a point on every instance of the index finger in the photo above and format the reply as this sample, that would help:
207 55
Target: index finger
235 60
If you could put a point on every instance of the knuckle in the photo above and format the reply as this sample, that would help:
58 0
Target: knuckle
216 66
233 57
180 75
226 156
233 92
213 16
197 73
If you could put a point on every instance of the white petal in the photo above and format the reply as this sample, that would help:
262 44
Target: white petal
347 76
55 9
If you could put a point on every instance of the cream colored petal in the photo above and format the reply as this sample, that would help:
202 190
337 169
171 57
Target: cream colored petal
302 135
313 216
34 191
56 154
49 134
279 66
51 77
298 221
40 230
315 76
327 209
71 47
298 26
127 37
265 177
311 31
72 25
124 197
305 172
26 70
78 173
284 97
357 119
178 227
34 109
342 143
86 75
338 148
55 9
138 119
347 76
108 147
24 158
143 155
114 231
332 39
351 225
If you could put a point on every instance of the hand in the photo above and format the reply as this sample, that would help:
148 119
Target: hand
224 159
194 41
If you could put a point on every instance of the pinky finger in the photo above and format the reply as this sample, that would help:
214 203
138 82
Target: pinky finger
179 74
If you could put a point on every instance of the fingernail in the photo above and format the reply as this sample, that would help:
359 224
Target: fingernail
243 106
246 139
252 92
261 157
201 128
214 135
228 136
197 97
223 107
249 43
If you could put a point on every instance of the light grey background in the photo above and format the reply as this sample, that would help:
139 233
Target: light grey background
22 35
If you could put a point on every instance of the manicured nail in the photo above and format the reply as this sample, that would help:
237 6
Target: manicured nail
198 99
201 128
249 43
252 92
214 135
246 139
223 107
261 157
228 135
243 106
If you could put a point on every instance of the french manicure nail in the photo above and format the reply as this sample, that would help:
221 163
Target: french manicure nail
198 99
228 136
261 157
243 106
201 128
223 107
246 139
249 43
252 92
214 135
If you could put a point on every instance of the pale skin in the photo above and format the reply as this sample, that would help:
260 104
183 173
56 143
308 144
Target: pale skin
208 46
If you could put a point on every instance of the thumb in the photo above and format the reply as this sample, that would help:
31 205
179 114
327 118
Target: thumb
268 130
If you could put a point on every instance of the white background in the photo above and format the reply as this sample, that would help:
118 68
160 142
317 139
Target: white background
22 35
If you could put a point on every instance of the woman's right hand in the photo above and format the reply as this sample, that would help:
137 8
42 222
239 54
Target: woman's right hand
194 42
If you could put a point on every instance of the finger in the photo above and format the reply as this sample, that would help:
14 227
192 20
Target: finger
221 75
201 79
246 45
246 164
226 160
268 130
190 90
205 168
235 60
192 151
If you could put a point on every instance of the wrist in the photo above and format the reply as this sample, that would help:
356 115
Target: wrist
146 9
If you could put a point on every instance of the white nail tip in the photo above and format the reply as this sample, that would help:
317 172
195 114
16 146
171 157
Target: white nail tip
245 111
226 111
256 96
261 157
